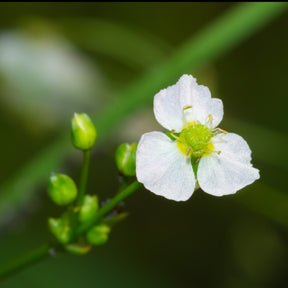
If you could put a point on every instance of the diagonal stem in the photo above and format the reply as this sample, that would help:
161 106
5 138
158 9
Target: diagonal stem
109 206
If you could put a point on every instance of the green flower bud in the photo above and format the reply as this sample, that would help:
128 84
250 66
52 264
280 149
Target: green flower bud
79 249
62 189
60 229
125 157
89 208
98 235
83 132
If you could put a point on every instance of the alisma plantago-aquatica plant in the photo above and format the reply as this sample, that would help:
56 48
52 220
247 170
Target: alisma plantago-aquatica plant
190 153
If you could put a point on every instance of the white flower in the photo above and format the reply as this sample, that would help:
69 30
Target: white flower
193 152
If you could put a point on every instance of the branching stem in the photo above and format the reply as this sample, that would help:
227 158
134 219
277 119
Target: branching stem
44 251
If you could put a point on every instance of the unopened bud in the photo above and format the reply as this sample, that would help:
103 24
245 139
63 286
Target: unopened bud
98 235
83 132
89 208
62 189
125 157
60 229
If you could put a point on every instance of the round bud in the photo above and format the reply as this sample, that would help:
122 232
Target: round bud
125 157
60 229
83 132
62 189
89 208
98 235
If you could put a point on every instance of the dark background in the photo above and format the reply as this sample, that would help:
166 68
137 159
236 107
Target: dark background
233 241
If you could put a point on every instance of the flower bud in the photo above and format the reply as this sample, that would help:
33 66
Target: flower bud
98 235
79 249
89 208
125 157
62 189
60 229
83 132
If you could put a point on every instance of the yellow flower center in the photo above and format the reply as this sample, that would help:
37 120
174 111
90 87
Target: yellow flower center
194 140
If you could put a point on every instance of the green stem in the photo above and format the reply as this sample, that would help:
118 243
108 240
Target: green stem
83 177
23 261
109 206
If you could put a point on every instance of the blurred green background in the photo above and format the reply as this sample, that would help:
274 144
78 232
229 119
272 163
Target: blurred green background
57 59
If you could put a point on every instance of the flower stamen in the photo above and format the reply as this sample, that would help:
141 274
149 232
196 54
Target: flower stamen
183 114
194 140
210 118
219 130
175 136
188 151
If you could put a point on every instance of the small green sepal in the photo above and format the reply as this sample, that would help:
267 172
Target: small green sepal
77 248
111 221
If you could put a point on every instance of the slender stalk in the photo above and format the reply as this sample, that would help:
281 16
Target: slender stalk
83 177
23 261
17 264
109 206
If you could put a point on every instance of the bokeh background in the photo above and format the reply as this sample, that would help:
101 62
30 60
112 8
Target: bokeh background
57 59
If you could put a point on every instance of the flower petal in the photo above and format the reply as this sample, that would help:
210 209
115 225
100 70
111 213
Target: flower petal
229 171
202 105
232 146
163 168
169 104
167 109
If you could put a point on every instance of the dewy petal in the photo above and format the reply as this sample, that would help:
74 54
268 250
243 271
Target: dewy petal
229 171
169 104
163 168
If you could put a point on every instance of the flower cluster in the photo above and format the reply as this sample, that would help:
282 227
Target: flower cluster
193 152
